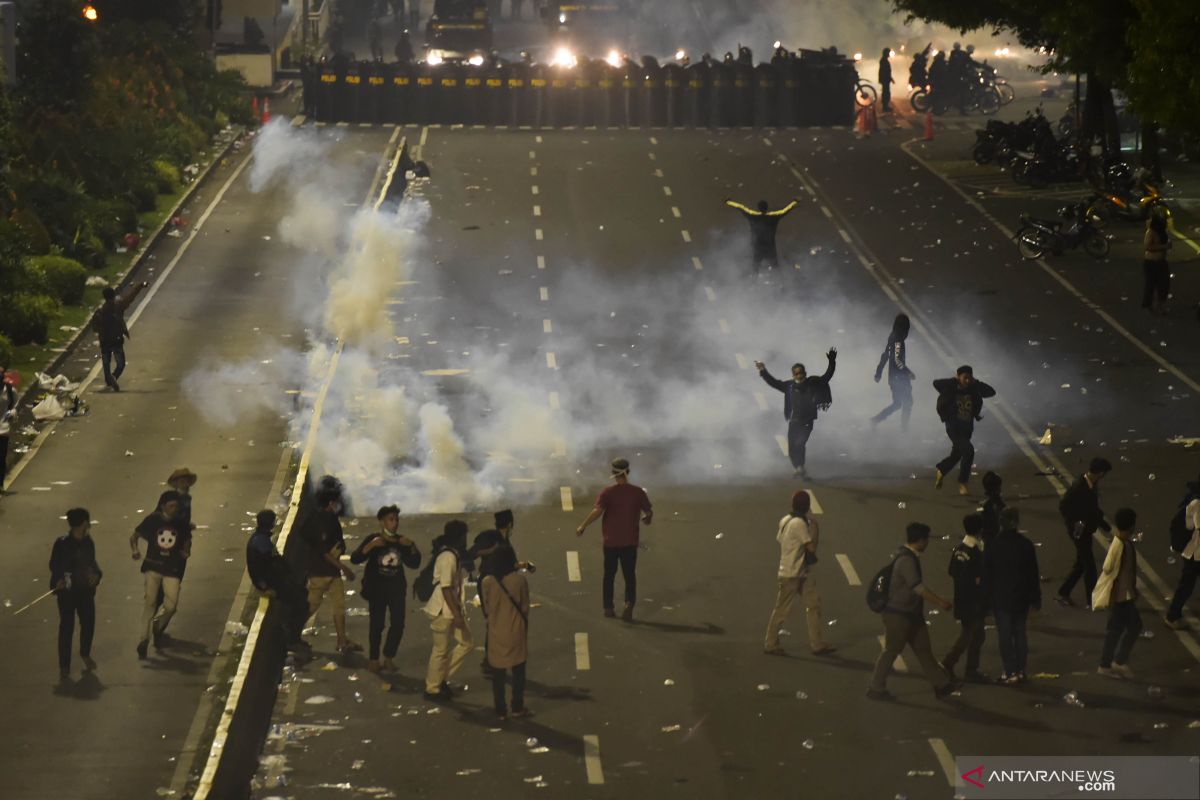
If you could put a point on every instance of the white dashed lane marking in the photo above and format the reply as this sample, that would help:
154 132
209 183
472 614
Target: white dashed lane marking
741 361
712 296
591 759
537 211
848 569
564 494
675 212
687 237
724 326
541 262
554 401
573 574
762 401
945 759
697 263
583 659
667 191
544 293
547 326
534 188
551 360
537 234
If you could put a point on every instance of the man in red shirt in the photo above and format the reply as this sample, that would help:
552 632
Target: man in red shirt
621 505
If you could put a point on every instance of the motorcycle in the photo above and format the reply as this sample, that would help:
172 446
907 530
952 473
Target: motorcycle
1036 236
1106 205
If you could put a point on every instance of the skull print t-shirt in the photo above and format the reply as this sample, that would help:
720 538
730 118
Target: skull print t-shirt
167 542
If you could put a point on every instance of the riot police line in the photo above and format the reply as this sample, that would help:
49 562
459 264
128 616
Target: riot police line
789 93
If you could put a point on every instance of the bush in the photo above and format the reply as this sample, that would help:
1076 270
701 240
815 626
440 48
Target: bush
89 250
166 177
6 351
63 278
110 220
27 318
144 195
36 236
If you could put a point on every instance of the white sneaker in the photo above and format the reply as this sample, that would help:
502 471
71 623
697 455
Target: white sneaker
1124 670
1109 672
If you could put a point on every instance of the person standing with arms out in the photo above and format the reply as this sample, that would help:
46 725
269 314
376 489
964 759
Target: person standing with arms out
271 575
384 586
447 610
505 595
960 406
1081 513
8 412
621 506
802 399
168 547
1119 592
1156 275
970 599
763 224
1012 577
1185 538
885 81
326 544
904 618
109 323
74 576
797 537
899 376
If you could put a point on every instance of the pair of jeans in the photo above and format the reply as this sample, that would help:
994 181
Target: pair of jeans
798 432
451 646
115 351
969 641
900 631
962 452
293 606
1156 283
379 608
1014 646
1124 626
627 558
1084 566
154 616
804 587
1183 591
902 401
72 603
518 688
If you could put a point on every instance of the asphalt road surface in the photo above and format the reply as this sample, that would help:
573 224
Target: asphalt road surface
216 297
603 264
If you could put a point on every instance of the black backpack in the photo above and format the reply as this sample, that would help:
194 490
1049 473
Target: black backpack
1180 535
880 587
424 585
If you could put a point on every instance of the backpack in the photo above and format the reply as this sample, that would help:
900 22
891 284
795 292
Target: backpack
424 585
880 587
1180 535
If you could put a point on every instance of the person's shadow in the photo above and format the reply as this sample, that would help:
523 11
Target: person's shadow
668 627
88 687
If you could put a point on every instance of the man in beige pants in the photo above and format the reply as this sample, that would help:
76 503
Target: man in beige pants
446 608
798 534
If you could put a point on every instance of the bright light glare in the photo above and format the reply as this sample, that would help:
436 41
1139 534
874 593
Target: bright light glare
562 19
90 13
680 54
777 44
434 58
475 61
613 58
891 53
933 53
563 58
858 56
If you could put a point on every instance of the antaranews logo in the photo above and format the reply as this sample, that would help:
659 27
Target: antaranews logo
1108 777
1090 781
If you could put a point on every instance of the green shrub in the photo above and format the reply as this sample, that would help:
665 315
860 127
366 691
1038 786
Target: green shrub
110 220
89 250
36 236
166 177
220 119
60 277
144 195
27 318
6 351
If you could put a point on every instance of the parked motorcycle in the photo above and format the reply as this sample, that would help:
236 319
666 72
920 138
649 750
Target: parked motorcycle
1136 206
1036 237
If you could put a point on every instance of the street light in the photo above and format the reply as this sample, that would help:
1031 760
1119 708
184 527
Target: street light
90 13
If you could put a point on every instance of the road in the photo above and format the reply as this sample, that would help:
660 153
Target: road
216 297
589 291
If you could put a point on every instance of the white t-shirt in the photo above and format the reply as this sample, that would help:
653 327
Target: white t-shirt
446 574
793 535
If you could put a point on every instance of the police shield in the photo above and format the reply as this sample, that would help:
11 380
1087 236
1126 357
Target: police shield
422 94
695 95
474 102
653 111
743 95
785 92
449 94
608 94
720 96
674 82
375 89
495 89
399 104
327 88
765 113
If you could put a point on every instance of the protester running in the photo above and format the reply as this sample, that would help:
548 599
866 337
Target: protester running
1185 540
802 399
899 376
960 406
621 505
168 547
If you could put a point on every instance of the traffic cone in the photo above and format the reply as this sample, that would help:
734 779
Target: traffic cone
254 106
863 127
872 120
266 117
929 126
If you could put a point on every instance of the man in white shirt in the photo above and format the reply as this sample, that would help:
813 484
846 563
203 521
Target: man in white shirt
797 536
1189 559
447 612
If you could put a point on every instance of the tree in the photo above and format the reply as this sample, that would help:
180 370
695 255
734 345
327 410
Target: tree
1163 83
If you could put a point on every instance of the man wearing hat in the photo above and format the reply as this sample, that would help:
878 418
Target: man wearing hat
621 505
182 480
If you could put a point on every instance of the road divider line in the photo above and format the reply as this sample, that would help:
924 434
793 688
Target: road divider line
652 159
667 191
560 448
583 659
712 296
533 172
653 141
762 401
687 237
573 574
741 361
658 173
544 293
696 263
845 236
532 154
815 504
564 494
541 262
945 759
848 569
767 142
554 401
591 759
724 326
825 210
537 211
534 188
551 361
899 664
547 326
675 212
537 234
782 442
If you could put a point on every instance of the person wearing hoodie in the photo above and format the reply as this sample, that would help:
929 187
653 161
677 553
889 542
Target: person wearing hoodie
899 376
803 397
1189 557
1012 577
384 584
74 576
168 547
960 406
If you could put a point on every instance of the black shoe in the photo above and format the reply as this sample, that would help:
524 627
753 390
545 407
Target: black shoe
142 649
1065 602
439 696
945 691
116 387
446 689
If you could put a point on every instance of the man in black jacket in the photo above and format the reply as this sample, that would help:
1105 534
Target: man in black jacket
1081 513
384 585
802 398
970 599
74 576
960 405
1012 577
763 223
109 322
271 575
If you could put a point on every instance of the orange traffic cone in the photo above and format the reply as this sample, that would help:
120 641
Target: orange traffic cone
929 126
872 120
862 127
254 106
266 117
